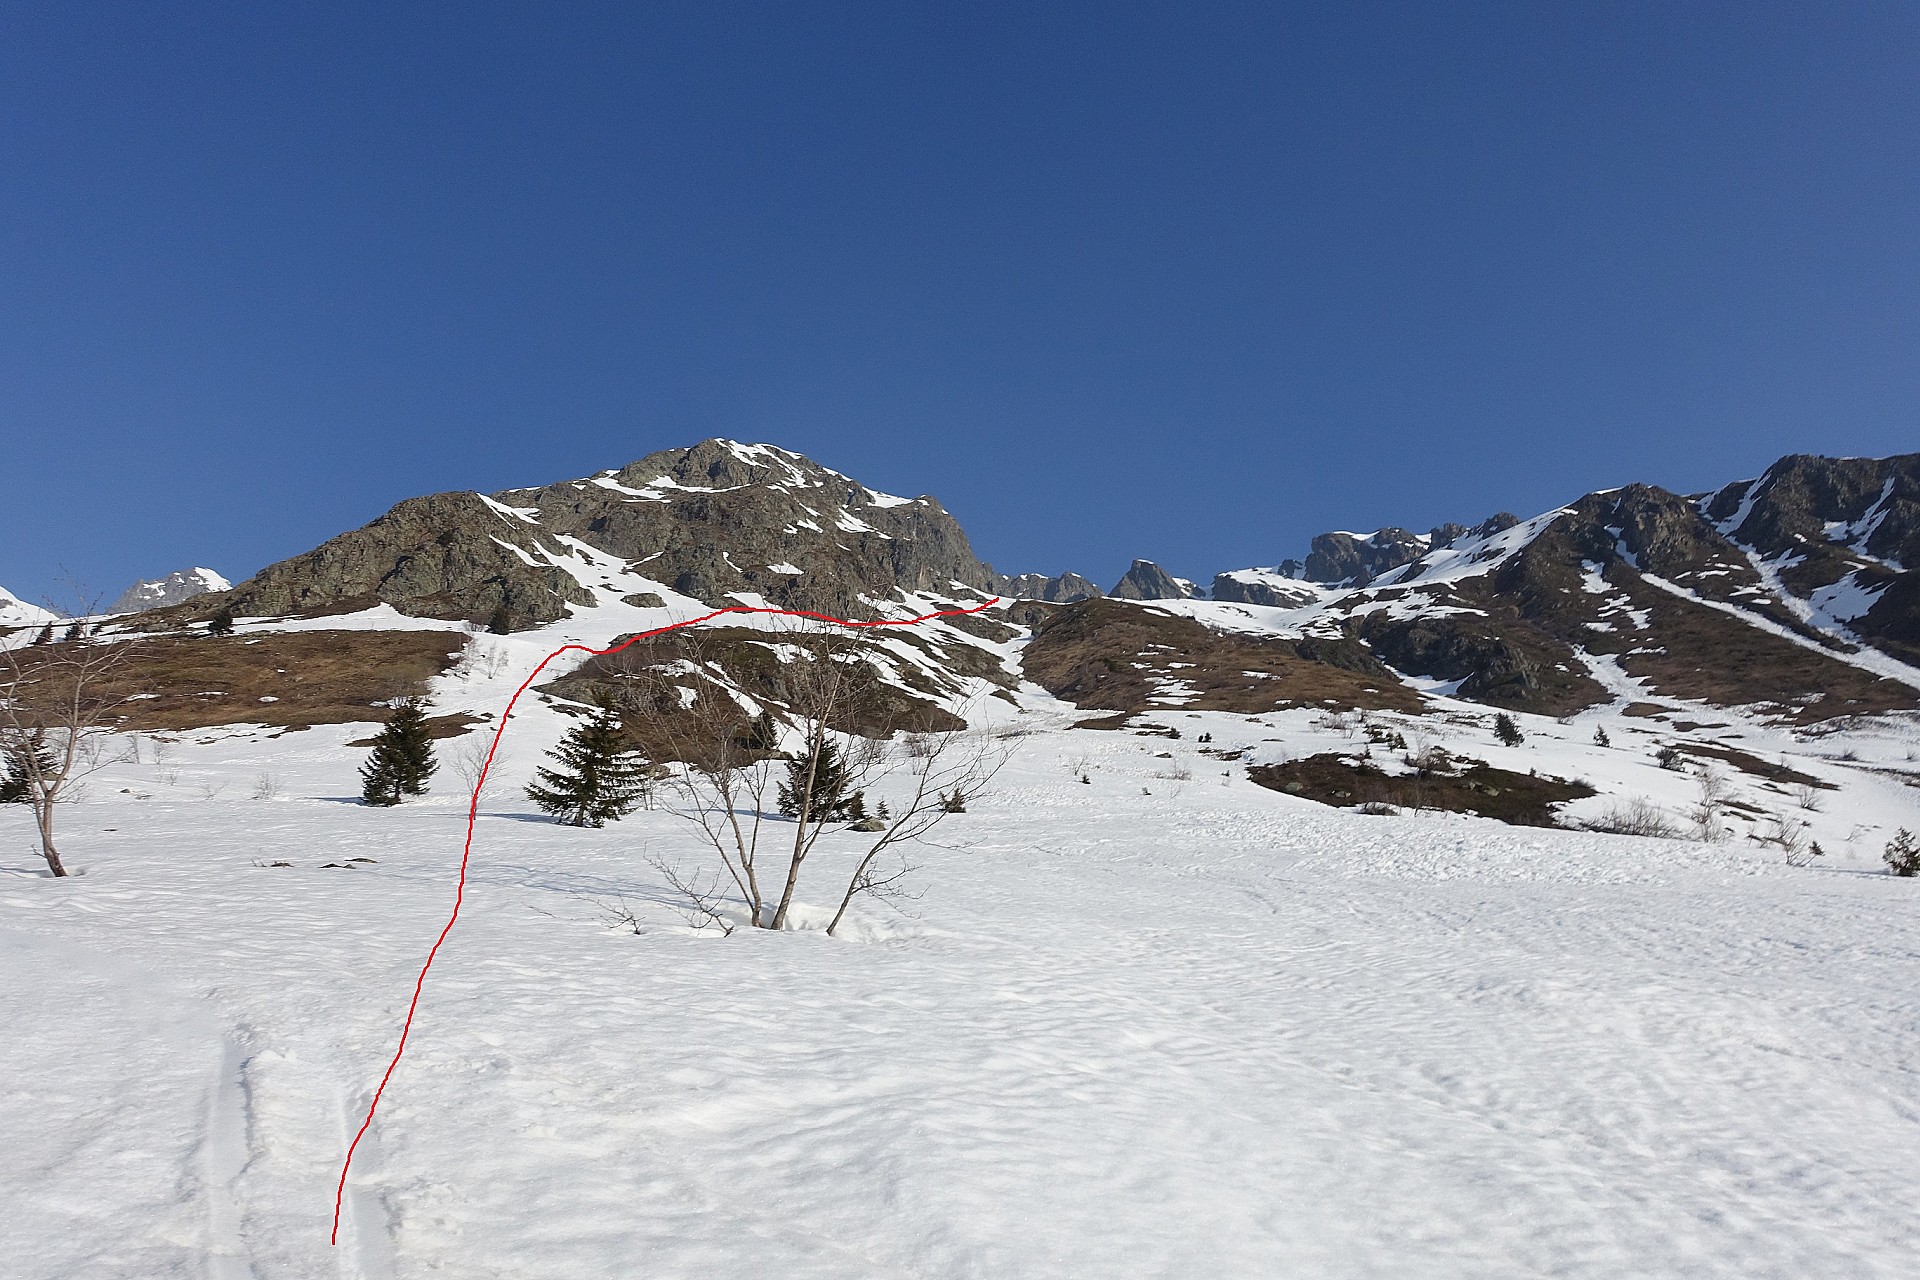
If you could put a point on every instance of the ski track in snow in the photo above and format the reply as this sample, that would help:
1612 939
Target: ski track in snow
1211 1031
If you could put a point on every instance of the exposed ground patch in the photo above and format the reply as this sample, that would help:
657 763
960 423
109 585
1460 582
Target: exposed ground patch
1463 786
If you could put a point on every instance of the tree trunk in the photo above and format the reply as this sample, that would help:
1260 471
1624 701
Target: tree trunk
43 818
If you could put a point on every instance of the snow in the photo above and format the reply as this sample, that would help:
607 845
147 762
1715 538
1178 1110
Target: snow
529 515
1145 1026
786 568
152 593
15 612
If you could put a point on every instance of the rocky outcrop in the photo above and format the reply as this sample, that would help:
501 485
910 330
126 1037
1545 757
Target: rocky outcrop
176 588
1841 532
1065 589
1351 559
1115 655
1148 581
716 522
1264 587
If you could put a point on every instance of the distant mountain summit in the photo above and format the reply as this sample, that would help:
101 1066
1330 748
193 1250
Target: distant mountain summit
176 588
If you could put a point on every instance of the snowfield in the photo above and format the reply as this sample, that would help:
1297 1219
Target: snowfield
1141 1026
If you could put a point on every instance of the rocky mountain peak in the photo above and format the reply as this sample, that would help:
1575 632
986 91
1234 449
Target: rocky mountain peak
1148 581
719 522
176 588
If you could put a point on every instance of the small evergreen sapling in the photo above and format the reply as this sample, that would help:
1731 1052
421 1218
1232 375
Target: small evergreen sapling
221 623
16 787
45 636
1507 729
828 799
402 757
1600 738
501 623
599 779
1903 854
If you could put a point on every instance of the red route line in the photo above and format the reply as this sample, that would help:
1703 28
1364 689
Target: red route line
473 813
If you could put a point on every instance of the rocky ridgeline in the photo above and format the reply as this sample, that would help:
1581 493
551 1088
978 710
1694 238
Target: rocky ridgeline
712 521
175 588
1762 595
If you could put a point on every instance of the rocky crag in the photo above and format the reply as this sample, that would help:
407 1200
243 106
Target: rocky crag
717 522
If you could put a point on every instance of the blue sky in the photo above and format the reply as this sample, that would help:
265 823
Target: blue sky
1183 281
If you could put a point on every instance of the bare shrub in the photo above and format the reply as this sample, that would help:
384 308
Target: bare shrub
57 704
1808 797
478 780
721 783
265 786
1715 791
1638 816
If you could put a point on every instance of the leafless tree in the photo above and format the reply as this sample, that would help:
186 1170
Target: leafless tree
1715 791
469 762
57 701
721 780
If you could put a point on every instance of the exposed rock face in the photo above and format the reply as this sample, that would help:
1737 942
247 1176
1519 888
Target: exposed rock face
712 522
1111 655
175 588
1064 589
1259 586
1588 584
1842 534
1356 559
1148 581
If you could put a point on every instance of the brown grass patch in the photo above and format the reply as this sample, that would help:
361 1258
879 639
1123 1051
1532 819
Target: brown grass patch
292 679
1473 787
1107 655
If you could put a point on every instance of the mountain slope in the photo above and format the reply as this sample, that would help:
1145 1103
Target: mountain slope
721 523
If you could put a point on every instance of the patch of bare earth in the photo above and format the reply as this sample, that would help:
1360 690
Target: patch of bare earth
1463 786
1106 655
293 679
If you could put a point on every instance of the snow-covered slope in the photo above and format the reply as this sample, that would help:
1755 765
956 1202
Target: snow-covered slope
15 612
1162 1022
176 588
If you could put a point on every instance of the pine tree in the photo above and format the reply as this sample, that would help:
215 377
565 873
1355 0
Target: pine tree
16 787
78 631
45 636
1600 738
1507 729
402 757
763 733
221 623
830 800
1902 855
501 623
600 778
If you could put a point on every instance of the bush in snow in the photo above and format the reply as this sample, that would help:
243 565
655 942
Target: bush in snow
1636 817
1507 729
1903 854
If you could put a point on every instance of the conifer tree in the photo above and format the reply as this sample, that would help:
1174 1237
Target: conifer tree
600 778
763 734
45 636
16 787
501 623
78 631
402 757
221 623
1507 729
830 800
